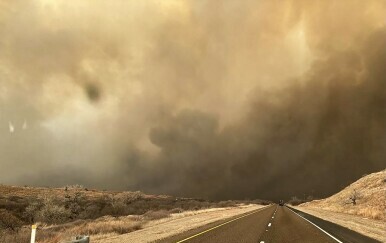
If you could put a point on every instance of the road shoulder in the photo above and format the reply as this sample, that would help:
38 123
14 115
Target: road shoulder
375 229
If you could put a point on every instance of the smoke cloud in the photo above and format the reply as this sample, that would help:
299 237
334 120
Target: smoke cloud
212 99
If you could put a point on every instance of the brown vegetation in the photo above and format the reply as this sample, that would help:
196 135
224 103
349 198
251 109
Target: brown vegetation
75 210
160 214
294 201
365 197
370 227
9 221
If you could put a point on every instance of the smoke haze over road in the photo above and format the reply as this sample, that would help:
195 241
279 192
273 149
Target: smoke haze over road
214 99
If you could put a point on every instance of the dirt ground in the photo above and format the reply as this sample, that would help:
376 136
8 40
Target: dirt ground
373 228
177 223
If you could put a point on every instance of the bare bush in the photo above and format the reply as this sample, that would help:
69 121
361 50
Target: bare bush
9 221
91 212
153 215
176 210
129 197
31 211
74 203
52 212
225 204
115 206
296 201
15 236
75 186
118 209
354 197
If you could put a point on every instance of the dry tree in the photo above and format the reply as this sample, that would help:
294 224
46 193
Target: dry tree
354 196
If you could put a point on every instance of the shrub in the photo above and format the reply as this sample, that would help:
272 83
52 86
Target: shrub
74 203
119 209
129 197
354 196
31 211
13 204
225 204
176 210
9 221
296 201
22 235
90 212
153 215
75 186
52 212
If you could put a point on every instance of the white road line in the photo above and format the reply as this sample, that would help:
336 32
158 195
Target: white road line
316 226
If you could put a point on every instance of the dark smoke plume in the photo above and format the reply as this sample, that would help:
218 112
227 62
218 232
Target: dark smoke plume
213 99
93 92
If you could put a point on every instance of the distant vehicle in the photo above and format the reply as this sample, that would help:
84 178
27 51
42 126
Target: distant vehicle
281 203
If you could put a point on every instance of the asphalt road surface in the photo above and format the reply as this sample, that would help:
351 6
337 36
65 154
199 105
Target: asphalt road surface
272 224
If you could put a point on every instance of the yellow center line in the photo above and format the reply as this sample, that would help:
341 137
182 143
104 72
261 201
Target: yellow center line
203 232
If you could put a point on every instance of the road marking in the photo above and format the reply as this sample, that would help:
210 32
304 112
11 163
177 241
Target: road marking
205 231
316 226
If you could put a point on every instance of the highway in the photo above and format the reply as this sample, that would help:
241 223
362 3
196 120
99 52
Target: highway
271 224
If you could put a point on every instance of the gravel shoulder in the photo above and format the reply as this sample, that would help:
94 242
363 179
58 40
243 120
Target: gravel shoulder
375 229
178 223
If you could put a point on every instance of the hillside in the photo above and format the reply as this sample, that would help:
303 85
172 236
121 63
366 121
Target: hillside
27 192
370 195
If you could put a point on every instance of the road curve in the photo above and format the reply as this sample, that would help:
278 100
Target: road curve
271 224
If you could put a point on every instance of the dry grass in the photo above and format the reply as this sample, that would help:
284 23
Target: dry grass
119 226
103 226
371 198
74 210
106 226
375 229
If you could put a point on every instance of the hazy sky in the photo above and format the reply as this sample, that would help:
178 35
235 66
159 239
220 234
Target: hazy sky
213 99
